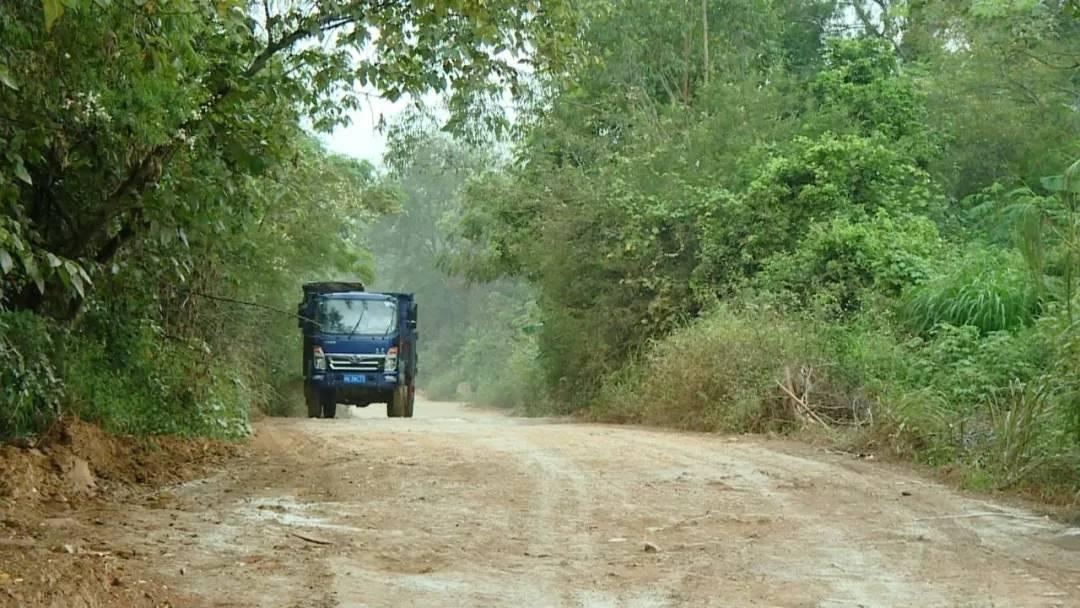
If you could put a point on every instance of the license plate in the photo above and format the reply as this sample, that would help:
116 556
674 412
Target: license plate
354 379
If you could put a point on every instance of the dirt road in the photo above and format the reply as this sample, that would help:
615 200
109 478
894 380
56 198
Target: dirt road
460 507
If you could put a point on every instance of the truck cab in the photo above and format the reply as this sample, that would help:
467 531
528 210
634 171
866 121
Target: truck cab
359 348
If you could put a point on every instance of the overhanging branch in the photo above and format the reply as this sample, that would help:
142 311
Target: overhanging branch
149 168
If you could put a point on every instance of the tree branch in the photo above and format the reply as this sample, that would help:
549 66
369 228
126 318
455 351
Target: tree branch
887 24
150 168
266 24
864 17
1048 64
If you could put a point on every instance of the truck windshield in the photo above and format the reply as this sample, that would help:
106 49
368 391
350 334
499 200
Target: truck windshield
354 316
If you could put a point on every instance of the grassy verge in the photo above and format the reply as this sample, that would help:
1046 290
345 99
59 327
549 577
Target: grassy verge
128 379
988 407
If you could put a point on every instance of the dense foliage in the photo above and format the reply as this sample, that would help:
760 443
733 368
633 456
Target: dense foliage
155 170
747 214
854 215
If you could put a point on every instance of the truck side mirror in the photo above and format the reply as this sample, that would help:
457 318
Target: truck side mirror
300 320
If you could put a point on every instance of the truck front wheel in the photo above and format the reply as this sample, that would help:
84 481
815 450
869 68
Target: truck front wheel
395 408
410 399
329 404
311 399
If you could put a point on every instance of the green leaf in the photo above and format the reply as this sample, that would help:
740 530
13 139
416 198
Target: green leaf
32 271
76 281
1072 175
65 278
532 328
6 263
85 276
5 78
21 172
69 274
54 9
1056 183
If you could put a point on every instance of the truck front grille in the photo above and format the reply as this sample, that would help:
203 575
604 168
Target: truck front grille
356 363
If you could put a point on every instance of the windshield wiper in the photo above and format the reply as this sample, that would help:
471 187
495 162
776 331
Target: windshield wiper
358 321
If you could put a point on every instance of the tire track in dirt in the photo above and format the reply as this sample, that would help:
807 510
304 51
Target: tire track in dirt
560 522
886 546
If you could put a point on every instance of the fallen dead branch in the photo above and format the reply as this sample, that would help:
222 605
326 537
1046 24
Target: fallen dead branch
806 395
800 406
311 539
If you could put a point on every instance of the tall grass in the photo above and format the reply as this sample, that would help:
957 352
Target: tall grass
1023 436
988 290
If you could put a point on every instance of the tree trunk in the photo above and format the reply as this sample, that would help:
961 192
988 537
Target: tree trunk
686 58
705 40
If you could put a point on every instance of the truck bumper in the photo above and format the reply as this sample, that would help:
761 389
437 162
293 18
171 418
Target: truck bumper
354 381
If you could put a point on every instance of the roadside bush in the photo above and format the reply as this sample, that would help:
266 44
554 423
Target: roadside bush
132 380
507 376
985 404
901 413
843 265
122 375
519 383
1066 372
502 372
971 369
929 388
286 399
717 374
31 390
486 339
956 397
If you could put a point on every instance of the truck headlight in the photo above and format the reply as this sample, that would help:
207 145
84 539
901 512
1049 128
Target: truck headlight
391 359
318 358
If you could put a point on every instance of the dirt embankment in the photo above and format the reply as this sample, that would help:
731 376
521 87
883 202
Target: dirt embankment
51 553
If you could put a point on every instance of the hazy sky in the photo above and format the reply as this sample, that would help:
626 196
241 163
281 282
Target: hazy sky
361 139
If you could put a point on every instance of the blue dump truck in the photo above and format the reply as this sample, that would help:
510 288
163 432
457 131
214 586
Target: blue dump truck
359 348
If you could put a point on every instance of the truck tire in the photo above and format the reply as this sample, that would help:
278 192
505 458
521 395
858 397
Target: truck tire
409 401
395 408
329 404
314 408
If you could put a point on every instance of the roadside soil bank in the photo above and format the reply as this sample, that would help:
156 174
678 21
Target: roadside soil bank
51 552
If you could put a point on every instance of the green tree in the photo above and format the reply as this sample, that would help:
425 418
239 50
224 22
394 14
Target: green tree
154 150
109 105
